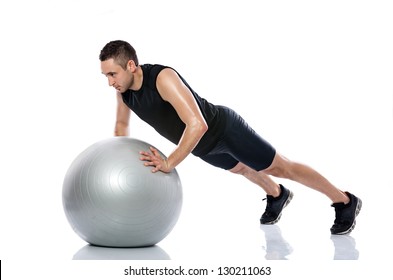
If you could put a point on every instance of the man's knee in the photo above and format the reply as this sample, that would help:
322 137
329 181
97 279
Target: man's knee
274 171
239 169
280 167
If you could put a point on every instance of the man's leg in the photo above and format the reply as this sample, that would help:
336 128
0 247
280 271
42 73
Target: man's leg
283 168
347 206
261 179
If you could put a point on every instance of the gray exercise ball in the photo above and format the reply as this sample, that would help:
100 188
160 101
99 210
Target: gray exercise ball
111 199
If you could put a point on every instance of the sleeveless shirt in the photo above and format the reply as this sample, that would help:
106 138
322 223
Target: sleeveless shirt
148 104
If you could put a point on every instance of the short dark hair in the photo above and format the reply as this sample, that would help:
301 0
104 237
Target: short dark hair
119 51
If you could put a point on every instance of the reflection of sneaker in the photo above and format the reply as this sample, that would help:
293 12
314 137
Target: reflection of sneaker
345 215
344 247
275 205
277 248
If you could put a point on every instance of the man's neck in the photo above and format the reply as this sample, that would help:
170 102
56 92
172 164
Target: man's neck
138 79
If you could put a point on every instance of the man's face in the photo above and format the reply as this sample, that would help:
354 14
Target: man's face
118 78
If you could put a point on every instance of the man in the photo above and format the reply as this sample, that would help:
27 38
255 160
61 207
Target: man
216 134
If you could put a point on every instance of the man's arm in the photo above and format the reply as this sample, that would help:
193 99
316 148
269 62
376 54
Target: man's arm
123 114
173 90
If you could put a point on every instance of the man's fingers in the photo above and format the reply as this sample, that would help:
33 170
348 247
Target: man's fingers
151 159
155 152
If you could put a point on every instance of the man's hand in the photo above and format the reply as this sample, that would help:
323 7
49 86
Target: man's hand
153 158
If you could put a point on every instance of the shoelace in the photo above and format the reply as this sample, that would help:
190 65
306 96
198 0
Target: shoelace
339 218
268 206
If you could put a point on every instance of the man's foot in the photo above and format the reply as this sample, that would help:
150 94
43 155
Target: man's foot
275 205
346 215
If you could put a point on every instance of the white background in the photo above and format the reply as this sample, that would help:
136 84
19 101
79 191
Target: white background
314 78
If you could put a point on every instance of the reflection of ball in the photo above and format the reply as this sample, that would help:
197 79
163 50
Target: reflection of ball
111 199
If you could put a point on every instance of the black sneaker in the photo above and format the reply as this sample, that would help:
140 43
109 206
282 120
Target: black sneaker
345 215
275 205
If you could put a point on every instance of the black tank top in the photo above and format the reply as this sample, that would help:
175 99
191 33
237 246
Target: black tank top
148 104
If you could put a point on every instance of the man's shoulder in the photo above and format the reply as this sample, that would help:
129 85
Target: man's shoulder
150 66
153 69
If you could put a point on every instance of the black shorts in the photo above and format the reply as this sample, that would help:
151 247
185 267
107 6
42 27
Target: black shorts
239 143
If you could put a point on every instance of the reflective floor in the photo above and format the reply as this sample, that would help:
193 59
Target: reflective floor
278 248
274 247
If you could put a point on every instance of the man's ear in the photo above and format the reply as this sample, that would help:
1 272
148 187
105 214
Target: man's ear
131 65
